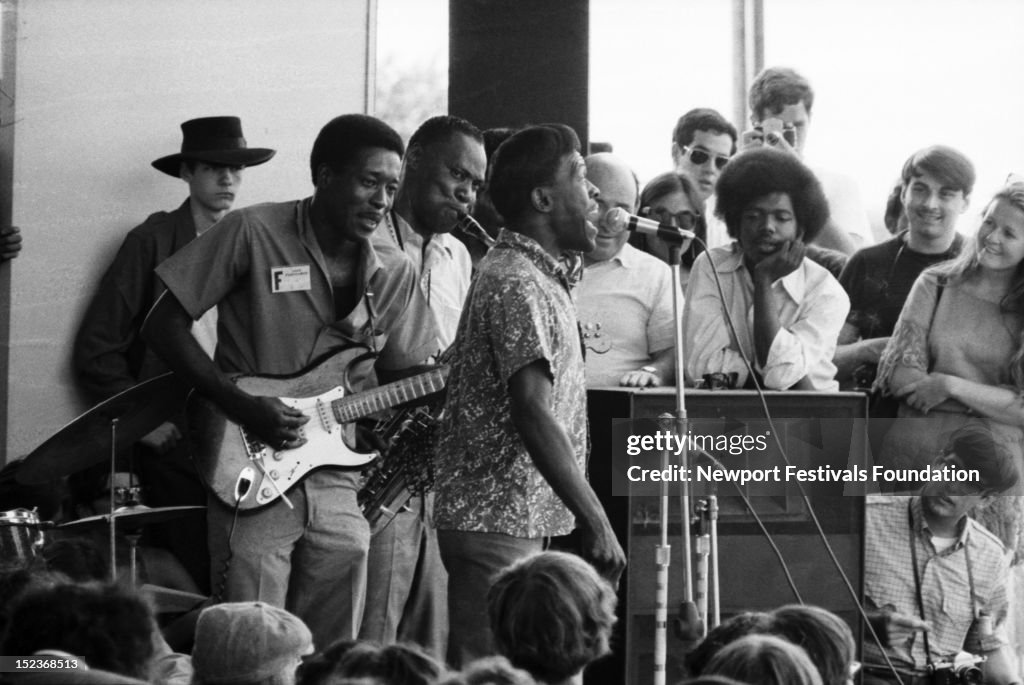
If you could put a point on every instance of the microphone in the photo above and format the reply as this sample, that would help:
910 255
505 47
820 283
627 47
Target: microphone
620 220
468 225
689 628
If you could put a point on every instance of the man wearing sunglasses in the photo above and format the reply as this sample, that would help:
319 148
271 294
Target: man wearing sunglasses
625 297
935 580
702 143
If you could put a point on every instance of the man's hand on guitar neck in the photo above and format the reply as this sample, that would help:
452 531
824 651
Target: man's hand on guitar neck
269 419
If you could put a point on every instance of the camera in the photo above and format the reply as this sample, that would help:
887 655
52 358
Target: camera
780 128
720 381
963 670
864 376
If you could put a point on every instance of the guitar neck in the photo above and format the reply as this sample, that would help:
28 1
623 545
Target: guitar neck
348 409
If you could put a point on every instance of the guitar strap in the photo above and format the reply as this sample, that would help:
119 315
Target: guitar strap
917 579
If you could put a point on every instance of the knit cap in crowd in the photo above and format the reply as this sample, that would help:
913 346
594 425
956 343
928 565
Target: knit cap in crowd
241 642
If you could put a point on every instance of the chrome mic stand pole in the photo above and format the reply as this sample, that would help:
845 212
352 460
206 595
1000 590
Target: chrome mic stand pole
703 534
663 551
716 617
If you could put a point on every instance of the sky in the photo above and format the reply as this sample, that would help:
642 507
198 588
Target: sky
891 77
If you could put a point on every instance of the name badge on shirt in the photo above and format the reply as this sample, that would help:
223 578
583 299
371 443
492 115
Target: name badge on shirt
288 279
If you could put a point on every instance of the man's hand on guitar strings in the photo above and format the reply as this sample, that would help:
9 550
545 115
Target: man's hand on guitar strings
272 421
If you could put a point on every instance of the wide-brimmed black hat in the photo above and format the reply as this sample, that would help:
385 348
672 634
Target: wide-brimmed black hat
214 140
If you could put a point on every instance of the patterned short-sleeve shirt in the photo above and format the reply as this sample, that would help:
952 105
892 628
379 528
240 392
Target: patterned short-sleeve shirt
518 311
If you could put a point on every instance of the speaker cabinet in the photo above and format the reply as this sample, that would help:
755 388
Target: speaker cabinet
751 576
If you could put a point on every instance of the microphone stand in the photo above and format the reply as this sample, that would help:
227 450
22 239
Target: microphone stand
663 550
692 623
708 607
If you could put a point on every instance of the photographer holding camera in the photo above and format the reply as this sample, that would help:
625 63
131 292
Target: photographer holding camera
780 101
935 580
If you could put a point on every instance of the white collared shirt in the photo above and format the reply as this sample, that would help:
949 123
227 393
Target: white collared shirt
812 307
625 310
444 269
717 234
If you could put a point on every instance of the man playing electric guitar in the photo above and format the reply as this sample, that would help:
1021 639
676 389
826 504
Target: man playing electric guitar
294 282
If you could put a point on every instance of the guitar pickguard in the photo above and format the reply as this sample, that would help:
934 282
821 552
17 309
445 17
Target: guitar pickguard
280 470
243 471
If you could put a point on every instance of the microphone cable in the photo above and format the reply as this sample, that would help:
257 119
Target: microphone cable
862 612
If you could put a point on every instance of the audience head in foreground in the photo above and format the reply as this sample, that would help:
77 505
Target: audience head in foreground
765 660
248 642
551 615
371 664
825 637
108 626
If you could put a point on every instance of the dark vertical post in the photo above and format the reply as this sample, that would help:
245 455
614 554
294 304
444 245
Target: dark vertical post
8 43
516 62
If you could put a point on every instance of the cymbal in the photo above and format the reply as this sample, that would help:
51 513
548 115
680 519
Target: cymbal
131 518
86 440
171 601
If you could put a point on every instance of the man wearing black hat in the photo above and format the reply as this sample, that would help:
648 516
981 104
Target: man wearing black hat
110 355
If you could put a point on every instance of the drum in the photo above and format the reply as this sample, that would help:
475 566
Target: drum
21 536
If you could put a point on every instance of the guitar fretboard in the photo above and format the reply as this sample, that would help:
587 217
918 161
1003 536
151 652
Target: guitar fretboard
348 409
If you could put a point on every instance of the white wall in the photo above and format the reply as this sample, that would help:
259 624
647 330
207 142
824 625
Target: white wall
101 88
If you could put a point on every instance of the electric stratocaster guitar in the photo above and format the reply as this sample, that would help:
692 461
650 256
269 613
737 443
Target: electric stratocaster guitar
240 469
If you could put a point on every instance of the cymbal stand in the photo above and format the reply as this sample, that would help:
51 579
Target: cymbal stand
110 517
133 544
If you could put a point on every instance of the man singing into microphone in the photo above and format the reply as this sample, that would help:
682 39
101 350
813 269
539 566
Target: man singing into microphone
787 311
511 461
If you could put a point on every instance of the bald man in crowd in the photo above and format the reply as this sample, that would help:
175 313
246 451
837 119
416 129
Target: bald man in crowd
625 297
